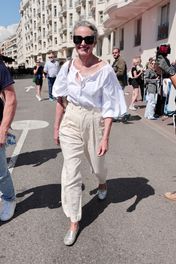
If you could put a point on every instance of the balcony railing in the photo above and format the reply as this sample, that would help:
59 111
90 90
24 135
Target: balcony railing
163 31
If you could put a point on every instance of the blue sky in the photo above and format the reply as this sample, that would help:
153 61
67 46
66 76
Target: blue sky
9 12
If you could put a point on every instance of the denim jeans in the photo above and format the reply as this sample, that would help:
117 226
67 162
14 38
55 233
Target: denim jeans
6 184
151 104
51 81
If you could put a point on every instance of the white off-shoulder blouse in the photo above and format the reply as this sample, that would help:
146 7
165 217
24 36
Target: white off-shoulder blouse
100 90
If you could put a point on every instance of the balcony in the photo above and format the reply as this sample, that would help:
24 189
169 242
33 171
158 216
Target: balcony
49 2
121 11
49 32
38 10
39 24
64 28
163 31
39 37
64 10
82 17
60 15
78 4
50 17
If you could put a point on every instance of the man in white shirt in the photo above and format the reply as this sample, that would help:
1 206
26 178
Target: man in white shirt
51 69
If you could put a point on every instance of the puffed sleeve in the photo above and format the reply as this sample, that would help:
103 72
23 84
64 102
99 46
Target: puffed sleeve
60 84
113 100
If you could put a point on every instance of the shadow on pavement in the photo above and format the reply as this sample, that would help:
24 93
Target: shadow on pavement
133 118
127 119
36 158
119 190
38 197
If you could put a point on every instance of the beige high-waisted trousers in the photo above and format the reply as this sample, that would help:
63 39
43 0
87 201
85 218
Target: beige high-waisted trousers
80 133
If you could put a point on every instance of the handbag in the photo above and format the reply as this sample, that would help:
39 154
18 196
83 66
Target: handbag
34 79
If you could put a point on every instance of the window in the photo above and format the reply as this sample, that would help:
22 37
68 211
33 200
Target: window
43 19
163 28
71 20
109 44
55 41
44 33
100 17
114 38
121 39
70 3
55 27
137 38
43 5
55 11
99 47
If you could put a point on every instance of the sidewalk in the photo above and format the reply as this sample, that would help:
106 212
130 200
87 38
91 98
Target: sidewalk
163 122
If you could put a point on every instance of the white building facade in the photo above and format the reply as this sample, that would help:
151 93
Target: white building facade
137 27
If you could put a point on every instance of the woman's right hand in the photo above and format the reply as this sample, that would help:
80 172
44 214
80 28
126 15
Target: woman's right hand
56 136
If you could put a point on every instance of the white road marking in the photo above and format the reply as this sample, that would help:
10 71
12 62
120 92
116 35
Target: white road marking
25 126
28 88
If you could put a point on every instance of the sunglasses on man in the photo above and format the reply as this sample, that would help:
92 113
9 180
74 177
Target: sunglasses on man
89 40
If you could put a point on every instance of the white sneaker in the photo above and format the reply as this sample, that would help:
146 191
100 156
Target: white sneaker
7 210
38 97
131 107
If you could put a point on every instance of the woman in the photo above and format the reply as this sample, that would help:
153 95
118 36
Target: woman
135 82
141 78
151 80
38 75
94 97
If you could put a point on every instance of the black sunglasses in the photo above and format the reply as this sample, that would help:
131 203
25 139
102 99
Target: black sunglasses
88 39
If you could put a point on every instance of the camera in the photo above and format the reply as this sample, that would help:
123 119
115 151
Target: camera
6 59
164 50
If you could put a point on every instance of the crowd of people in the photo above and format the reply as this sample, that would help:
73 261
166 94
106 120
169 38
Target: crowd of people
89 94
146 82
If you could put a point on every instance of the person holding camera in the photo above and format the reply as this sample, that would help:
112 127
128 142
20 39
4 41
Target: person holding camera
169 71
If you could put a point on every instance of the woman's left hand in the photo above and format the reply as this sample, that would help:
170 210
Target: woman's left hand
103 147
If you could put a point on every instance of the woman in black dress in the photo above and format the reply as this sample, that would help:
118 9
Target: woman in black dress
135 82
38 74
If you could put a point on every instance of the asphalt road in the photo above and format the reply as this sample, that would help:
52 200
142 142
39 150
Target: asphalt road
135 225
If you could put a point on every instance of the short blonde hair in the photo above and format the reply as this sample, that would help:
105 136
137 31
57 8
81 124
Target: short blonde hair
85 23
135 60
